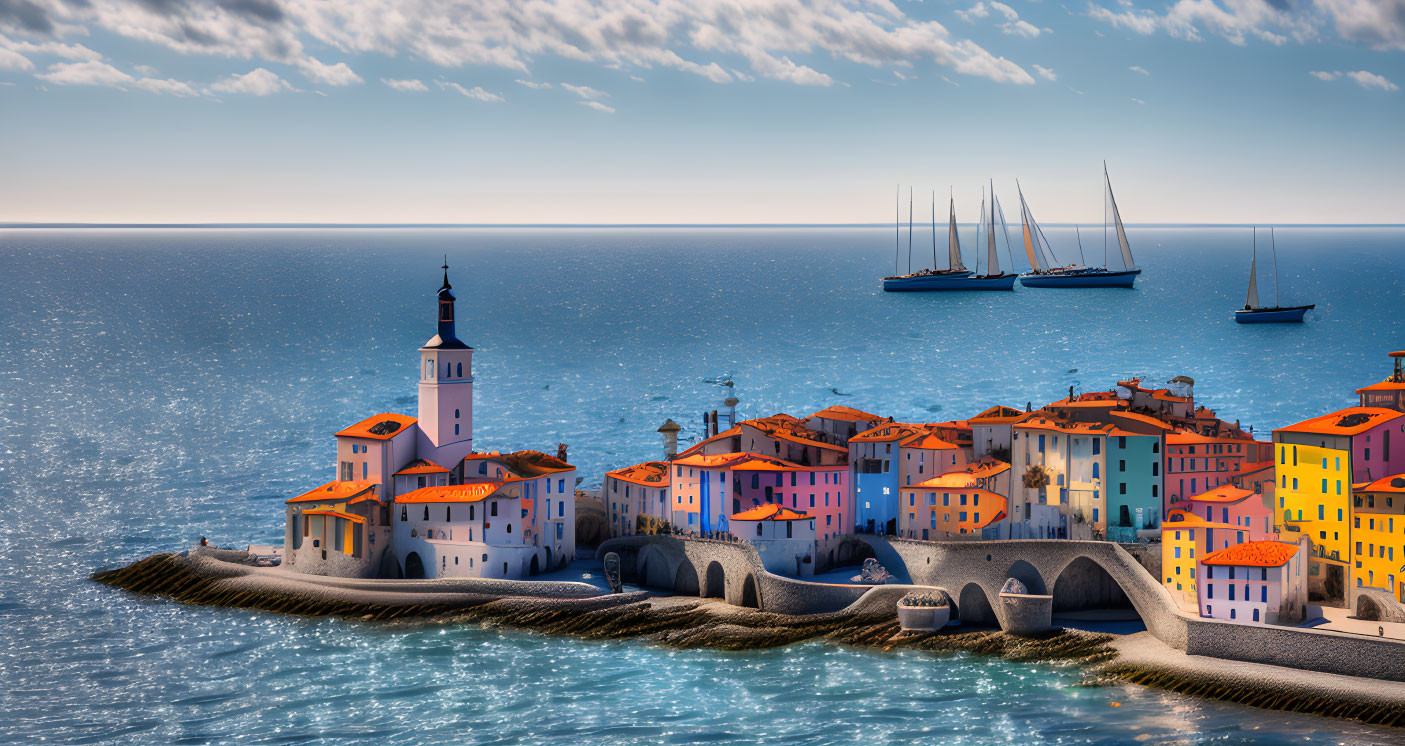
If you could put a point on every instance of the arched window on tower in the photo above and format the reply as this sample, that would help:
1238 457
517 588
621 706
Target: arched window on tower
459 371
448 370
456 414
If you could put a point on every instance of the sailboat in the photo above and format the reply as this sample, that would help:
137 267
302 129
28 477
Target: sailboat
930 279
1252 312
993 279
1079 276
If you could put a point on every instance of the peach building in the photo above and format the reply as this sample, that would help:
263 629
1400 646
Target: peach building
1186 538
635 492
1196 463
948 505
1246 508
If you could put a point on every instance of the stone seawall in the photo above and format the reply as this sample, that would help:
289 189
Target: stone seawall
1308 649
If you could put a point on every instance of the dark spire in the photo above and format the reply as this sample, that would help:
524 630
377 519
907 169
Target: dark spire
446 339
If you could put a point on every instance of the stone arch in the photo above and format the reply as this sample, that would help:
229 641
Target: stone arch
549 566
1025 573
1368 609
1085 584
654 569
973 607
414 566
750 597
685 581
715 581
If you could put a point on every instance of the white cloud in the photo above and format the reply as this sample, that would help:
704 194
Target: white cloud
169 87
410 85
1379 24
1139 69
1372 80
1011 24
1138 101
476 93
636 78
335 75
12 60
147 70
256 82
584 91
1327 75
47 49
1075 90
534 84
783 40
596 105
1045 73
85 73
974 13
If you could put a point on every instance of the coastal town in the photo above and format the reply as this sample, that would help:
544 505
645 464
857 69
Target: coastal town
1235 526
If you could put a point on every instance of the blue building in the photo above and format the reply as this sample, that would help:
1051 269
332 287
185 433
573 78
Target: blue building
873 460
1135 488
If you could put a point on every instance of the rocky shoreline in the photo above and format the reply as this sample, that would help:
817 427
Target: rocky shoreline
688 622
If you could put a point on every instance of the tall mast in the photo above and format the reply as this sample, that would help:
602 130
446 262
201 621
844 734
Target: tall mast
909 230
1127 261
897 226
953 241
934 230
1251 299
979 224
1034 263
1274 246
1081 260
1106 185
992 259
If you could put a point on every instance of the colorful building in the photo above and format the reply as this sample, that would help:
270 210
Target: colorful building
637 498
1389 393
839 424
340 529
1185 538
874 458
991 432
926 455
948 505
1072 467
1378 529
1257 582
1314 501
784 538
1196 463
1134 483
478 530
1365 433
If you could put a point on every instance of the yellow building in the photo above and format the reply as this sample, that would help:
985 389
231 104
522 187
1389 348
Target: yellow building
1314 500
1378 529
1184 537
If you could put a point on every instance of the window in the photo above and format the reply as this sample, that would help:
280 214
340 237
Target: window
1122 465
493 508
426 512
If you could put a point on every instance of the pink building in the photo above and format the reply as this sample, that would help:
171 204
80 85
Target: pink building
1196 463
1242 507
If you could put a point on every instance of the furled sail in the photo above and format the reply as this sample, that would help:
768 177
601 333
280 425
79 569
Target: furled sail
1030 250
1252 300
1117 220
992 258
953 242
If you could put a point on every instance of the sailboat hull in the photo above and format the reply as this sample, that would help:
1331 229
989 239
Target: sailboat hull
1082 279
1272 315
968 283
920 283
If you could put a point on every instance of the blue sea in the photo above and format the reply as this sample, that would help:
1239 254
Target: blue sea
163 384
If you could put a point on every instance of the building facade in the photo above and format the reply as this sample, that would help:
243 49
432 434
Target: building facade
1257 582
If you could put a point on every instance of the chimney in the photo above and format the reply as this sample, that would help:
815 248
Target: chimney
731 404
561 451
713 424
670 439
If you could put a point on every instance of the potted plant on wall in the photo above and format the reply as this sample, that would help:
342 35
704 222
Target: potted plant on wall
923 612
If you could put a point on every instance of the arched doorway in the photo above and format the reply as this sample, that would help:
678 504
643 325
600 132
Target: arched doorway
1025 573
685 581
715 585
1084 590
549 566
974 608
414 566
655 570
749 597
533 568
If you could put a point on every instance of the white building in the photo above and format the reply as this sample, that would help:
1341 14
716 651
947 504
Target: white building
1256 582
527 518
637 491
784 538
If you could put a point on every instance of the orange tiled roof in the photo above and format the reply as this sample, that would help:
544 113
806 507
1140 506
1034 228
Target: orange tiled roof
1166 395
1386 385
379 427
954 481
335 492
1222 494
1349 421
1181 519
1065 426
649 473
1393 483
716 460
454 493
730 432
534 463
1143 418
421 466
770 512
1253 554
767 463
846 414
929 442
336 514
997 415
887 432
785 427
986 467
1253 467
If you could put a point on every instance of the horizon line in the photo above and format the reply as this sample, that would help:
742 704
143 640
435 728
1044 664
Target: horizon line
307 225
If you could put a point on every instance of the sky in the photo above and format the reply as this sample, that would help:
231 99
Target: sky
699 111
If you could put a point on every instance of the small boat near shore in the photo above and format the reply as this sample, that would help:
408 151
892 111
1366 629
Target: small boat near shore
930 279
1252 312
1041 259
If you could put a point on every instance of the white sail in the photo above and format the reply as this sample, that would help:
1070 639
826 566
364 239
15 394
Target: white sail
992 258
1117 220
1030 237
953 242
1252 300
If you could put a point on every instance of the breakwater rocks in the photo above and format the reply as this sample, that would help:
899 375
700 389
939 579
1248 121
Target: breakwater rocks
202 577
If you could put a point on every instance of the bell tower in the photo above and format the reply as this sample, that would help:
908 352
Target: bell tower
446 389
